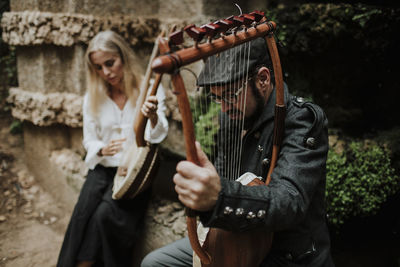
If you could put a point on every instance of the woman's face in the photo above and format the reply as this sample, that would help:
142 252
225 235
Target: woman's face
109 66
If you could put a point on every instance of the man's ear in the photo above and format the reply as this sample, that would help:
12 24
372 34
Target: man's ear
263 78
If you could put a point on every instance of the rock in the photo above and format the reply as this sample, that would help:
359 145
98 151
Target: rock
46 109
53 219
28 210
2 218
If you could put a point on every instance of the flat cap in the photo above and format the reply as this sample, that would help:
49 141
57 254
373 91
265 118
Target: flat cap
233 64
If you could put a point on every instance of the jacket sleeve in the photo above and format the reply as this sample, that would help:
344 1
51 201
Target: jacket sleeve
300 171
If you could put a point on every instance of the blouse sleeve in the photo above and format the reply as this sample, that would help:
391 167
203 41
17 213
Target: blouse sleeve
91 140
159 132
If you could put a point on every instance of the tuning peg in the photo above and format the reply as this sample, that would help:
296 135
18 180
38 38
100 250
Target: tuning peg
176 37
258 15
224 24
196 33
211 29
238 21
248 19
189 27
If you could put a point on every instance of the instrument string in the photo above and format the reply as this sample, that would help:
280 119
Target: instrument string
242 97
239 106
246 65
214 147
230 152
203 119
230 126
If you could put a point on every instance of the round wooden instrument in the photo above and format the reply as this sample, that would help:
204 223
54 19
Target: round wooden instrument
141 164
140 159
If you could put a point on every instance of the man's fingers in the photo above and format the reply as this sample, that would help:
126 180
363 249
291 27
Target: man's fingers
181 191
203 159
181 181
187 169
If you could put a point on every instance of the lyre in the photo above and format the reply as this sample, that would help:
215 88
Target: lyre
222 35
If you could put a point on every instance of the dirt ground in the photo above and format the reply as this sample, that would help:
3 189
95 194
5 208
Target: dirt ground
32 225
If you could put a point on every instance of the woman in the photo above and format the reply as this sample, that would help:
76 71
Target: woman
103 231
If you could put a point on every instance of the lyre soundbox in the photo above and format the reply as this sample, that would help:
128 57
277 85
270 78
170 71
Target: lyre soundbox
223 248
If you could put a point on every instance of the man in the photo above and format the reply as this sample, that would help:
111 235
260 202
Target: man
292 205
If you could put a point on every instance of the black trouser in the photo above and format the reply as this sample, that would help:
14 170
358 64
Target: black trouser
101 229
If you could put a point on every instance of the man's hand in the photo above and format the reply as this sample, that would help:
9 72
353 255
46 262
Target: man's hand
197 186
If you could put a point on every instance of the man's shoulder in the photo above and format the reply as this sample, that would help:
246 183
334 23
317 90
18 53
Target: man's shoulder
302 106
303 113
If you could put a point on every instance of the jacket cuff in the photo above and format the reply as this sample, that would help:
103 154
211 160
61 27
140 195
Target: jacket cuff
234 210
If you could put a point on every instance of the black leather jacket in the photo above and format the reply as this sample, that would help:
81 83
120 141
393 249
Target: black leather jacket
292 205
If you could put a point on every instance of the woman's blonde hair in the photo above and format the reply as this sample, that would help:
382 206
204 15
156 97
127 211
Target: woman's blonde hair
109 41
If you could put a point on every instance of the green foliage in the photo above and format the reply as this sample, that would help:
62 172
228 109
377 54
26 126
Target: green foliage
359 180
363 18
16 127
206 128
344 56
8 70
206 125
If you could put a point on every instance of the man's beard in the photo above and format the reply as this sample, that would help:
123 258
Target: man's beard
249 121
239 119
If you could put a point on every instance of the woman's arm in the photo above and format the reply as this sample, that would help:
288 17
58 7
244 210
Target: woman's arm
91 140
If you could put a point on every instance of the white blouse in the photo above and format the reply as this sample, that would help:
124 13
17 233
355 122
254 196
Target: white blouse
113 123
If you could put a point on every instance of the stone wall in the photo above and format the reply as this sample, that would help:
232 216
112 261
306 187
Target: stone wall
65 29
46 109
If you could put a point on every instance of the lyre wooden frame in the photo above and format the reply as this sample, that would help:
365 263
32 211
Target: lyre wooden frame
171 62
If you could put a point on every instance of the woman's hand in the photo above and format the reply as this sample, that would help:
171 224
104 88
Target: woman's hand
149 109
122 171
113 147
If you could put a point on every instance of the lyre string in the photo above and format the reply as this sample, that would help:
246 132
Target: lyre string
228 128
214 131
225 162
246 80
236 120
242 105
231 123
229 137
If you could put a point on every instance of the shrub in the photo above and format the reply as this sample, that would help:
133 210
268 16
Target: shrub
206 124
359 180
16 127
